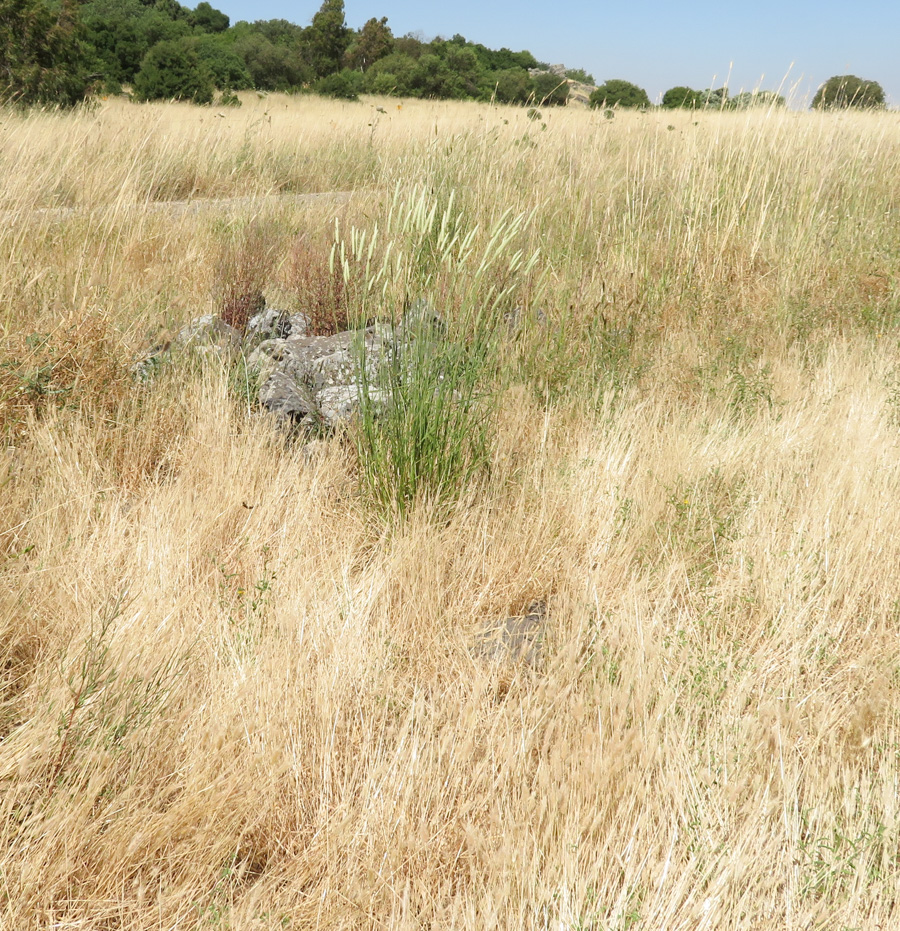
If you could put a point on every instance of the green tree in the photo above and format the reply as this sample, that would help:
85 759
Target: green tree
42 57
277 31
549 89
434 78
343 85
411 45
227 69
580 75
463 62
715 99
847 90
392 74
503 59
121 32
676 97
512 85
747 100
173 71
374 41
273 65
208 19
619 93
328 38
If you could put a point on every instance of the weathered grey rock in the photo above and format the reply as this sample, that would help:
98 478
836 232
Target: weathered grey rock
517 639
323 361
268 324
338 404
299 325
333 370
301 357
341 403
283 396
276 355
420 320
209 332
317 379
276 324
324 368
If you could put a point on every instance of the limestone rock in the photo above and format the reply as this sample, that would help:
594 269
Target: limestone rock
341 403
283 396
317 379
276 324
209 332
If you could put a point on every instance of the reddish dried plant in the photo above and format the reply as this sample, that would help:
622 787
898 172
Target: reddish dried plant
318 286
244 268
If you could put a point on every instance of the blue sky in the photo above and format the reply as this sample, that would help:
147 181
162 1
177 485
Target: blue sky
655 43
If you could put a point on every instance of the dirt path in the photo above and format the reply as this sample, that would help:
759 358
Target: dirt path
174 207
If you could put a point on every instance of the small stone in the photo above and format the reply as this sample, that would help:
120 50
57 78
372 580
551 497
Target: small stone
517 639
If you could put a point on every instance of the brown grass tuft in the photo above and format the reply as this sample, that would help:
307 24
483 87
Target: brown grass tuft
315 281
244 269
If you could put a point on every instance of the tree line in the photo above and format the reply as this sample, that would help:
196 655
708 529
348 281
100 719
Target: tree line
55 52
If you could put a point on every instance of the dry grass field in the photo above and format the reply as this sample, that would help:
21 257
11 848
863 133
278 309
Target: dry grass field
240 692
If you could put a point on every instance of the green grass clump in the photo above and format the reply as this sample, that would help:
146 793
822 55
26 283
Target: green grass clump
424 430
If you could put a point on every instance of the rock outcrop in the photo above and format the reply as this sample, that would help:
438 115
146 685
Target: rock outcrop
305 380
579 93
320 381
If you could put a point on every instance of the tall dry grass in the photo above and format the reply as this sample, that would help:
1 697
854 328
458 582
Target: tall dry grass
233 699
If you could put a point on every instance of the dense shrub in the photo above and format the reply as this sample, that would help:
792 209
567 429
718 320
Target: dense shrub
715 99
121 32
226 67
42 59
580 75
208 19
749 99
343 85
512 85
273 65
433 77
550 89
464 64
677 97
174 71
617 93
392 74
847 90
